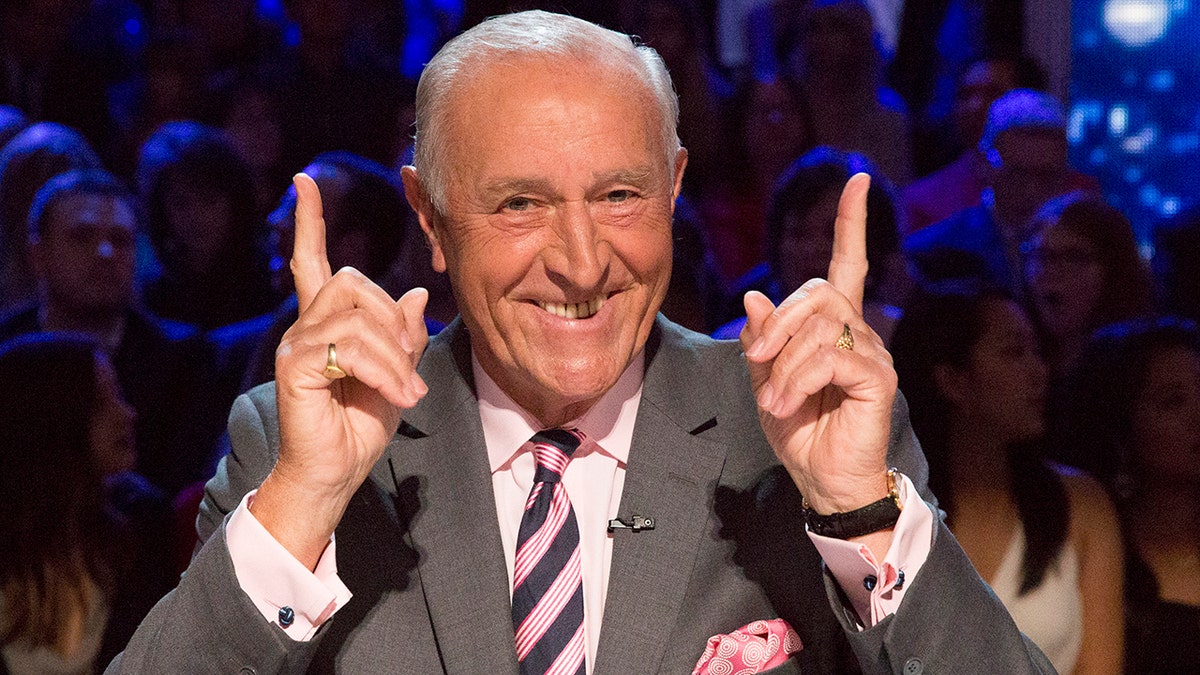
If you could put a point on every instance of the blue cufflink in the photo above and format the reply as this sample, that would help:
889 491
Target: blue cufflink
869 582
899 580
286 616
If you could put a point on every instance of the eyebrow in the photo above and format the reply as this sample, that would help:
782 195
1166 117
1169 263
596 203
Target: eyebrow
637 176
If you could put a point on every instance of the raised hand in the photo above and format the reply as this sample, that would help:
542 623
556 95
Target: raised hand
332 431
825 410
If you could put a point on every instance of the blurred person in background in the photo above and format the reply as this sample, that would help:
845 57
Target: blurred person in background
172 84
209 237
960 184
1043 535
1082 271
837 65
336 94
364 212
769 127
674 28
32 157
49 72
81 238
800 219
1131 412
247 111
1025 145
84 540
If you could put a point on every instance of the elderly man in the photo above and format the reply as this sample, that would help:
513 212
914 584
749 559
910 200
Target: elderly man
563 481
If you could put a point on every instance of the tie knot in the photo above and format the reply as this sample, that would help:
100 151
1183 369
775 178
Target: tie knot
552 448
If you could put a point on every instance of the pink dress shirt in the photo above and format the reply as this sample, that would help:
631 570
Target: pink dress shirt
594 480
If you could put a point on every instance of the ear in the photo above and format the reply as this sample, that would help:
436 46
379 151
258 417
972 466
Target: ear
681 158
418 199
952 384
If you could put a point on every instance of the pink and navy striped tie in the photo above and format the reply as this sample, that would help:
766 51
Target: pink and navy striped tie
547 606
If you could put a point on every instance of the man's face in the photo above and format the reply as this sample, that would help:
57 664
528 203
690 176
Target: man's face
85 257
1032 170
981 85
557 230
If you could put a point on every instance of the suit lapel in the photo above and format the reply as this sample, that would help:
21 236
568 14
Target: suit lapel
444 489
671 475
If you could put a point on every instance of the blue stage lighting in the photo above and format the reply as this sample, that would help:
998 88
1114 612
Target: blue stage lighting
1137 23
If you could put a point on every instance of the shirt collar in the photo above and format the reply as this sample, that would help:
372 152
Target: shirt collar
607 425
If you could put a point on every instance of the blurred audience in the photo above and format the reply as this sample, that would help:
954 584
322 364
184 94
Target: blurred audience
334 93
208 235
960 184
364 213
234 39
674 29
800 236
172 85
1131 414
767 130
247 111
837 65
81 237
1082 271
84 540
51 72
1043 535
1025 147
32 157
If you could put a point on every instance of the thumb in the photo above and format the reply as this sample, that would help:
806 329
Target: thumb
758 308
412 306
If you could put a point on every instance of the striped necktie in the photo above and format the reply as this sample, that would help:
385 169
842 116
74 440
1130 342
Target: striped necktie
547 605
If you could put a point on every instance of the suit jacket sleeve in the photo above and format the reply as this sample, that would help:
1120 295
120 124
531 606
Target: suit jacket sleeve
207 624
949 620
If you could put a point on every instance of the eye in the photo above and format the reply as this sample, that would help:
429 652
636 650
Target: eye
518 204
618 196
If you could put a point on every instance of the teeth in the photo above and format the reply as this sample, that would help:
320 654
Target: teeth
573 310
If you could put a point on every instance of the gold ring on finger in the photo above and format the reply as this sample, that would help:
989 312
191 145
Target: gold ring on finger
332 371
846 340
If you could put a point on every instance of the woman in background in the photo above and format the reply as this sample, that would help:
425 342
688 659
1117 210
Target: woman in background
1043 535
1082 271
79 567
1133 408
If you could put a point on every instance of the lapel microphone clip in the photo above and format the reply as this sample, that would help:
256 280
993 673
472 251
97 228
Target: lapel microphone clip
639 523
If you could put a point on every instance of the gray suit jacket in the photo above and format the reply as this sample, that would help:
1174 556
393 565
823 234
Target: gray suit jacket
419 546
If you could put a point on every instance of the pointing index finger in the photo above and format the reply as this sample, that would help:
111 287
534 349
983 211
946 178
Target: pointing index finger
848 264
310 263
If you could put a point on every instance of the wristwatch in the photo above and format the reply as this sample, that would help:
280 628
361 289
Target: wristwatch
873 517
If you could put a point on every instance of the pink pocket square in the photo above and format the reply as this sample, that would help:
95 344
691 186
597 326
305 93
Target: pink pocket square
753 648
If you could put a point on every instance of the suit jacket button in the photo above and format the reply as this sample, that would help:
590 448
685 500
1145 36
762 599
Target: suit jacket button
246 670
913 666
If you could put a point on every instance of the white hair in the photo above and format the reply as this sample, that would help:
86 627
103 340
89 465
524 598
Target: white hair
531 33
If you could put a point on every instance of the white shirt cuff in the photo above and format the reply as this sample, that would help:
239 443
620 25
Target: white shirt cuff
876 589
275 580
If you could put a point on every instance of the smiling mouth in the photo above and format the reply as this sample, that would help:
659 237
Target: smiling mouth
573 310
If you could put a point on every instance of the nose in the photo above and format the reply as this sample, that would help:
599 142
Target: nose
579 258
